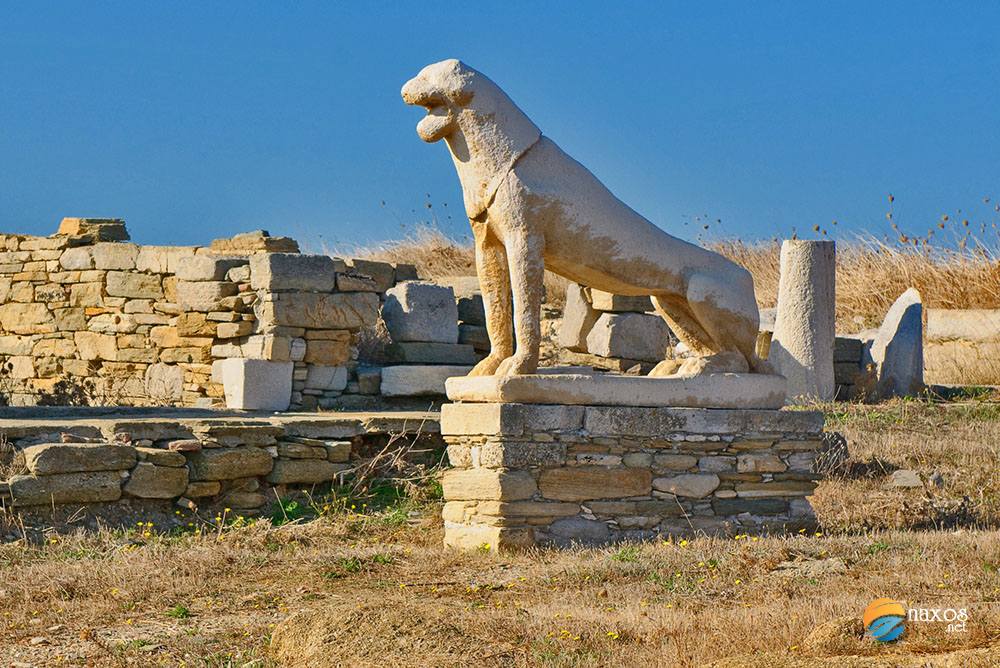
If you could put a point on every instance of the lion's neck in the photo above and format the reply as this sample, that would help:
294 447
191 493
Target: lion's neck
484 149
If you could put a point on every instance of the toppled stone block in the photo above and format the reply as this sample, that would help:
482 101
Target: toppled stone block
228 463
412 352
415 381
633 335
578 319
898 348
88 487
50 458
258 241
276 272
421 311
257 384
149 481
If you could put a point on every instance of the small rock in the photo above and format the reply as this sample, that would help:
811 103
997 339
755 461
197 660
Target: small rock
936 479
39 640
905 478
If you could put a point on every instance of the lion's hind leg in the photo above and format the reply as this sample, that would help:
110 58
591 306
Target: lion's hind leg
725 309
686 328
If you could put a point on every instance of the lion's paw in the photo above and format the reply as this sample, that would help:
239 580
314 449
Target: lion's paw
517 365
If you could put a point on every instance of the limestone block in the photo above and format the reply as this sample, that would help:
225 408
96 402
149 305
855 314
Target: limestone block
418 380
149 481
326 378
763 462
207 267
26 318
632 335
421 311
593 482
233 330
52 292
508 419
196 490
89 487
195 324
263 347
520 454
86 294
21 367
474 335
76 259
310 471
976 324
16 345
471 309
228 463
695 485
348 310
133 285
369 380
161 259
898 350
111 255
606 301
405 272
257 384
487 485
332 353
847 349
161 457
254 242
412 352
69 319
351 282
382 273
802 345
164 382
96 229
276 272
470 537
202 295
95 346
578 319
774 506
775 488
577 530
50 458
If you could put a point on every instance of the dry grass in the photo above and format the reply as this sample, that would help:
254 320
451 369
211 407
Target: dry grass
378 590
870 273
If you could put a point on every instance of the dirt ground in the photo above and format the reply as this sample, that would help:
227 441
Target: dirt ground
373 587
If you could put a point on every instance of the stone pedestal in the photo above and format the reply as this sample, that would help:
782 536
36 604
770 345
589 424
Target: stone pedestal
538 474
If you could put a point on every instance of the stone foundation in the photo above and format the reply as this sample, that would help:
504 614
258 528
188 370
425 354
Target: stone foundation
552 474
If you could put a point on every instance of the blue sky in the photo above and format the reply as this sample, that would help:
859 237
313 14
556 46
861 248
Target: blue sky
196 121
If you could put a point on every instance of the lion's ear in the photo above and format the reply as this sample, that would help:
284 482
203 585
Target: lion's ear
462 97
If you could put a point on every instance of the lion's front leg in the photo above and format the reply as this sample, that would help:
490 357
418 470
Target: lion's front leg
494 283
527 271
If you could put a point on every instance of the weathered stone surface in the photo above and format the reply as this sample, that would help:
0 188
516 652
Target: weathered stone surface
752 506
696 485
350 310
207 267
26 318
276 272
508 419
492 538
161 259
257 384
418 380
94 346
254 242
775 488
115 256
77 258
606 301
95 229
134 286
330 353
578 530
412 352
421 311
475 336
802 345
712 391
201 489
753 462
578 319
311 471
619 421
382 273
50 458
631 335
352 282
202 295
593 482
228 463
898 350
326 378
905 478
149 481
519 454
487 485
161 457
89 487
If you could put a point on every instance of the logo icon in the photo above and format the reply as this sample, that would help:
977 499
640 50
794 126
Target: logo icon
884 619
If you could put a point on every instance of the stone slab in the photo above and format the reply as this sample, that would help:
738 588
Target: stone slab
257 384
418 380
710 391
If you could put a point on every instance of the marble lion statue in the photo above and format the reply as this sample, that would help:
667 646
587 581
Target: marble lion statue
532 207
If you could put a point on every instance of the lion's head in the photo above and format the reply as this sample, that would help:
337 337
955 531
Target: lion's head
484 129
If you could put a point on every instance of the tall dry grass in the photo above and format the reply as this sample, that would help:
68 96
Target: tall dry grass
871 273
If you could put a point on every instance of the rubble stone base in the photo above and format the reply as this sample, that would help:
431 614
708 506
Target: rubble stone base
538 474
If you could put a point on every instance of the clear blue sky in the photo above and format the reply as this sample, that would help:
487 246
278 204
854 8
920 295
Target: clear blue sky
200 120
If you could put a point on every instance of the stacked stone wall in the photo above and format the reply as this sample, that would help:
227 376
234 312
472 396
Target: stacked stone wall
87 318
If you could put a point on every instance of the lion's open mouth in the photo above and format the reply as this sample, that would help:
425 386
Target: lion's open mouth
435 124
